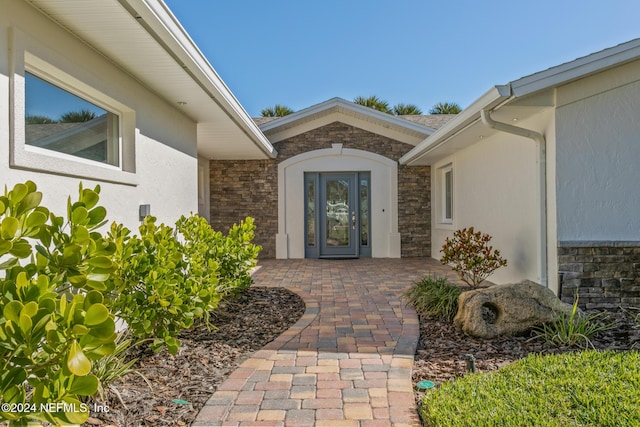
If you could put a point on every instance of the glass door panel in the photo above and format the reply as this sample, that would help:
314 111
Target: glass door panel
311 212
337 212
339 219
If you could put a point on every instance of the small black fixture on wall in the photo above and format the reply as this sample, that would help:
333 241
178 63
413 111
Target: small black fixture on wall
144 211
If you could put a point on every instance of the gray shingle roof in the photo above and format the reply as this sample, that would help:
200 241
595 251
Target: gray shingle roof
262 120
434 121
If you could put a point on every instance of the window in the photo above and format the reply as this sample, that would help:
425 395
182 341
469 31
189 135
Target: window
63 124
447 194
57 120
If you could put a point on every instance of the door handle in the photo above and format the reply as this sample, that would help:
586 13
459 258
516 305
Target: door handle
353 219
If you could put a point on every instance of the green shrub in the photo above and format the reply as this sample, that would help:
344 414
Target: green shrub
166 279
434 297
64 281
573 328
158 291
588 388
234 254
54 324
471 256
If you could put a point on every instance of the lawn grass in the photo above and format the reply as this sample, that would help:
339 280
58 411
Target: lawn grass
589 388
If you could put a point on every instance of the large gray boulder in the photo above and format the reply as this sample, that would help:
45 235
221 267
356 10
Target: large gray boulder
507 309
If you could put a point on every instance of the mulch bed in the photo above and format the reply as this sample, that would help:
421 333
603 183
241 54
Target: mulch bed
248 323
442 350
206 358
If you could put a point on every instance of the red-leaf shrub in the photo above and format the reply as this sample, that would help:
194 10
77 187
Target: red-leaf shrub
469 254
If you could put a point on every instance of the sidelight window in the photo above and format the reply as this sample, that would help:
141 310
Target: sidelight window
447 194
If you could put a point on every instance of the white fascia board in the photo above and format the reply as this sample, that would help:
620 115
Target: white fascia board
579 68
179 44
495 96
301 114
386 117
340 103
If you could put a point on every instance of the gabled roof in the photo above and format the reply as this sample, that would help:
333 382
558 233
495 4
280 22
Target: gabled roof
338 109
433 121
527 95
146 40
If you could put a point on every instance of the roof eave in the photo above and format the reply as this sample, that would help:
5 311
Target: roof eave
492 98
543 80
173 38
577 69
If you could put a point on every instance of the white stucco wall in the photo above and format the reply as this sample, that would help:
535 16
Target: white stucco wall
598 157
495 190
162 163
385 239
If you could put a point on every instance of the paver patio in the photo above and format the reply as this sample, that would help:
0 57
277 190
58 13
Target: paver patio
346 362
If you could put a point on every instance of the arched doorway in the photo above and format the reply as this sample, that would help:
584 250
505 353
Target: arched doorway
335 180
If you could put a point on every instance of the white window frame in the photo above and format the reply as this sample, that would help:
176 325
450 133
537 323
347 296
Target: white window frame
446 217
23 156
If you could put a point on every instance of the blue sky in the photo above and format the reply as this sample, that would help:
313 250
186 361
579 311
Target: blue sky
45 99
302 52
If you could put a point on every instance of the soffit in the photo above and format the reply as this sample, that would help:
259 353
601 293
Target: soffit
526 116
467 129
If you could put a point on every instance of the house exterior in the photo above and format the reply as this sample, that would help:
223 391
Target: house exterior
548 165
159 110
335 189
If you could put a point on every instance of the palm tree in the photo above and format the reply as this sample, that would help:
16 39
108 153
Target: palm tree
374 102
276 111
77 116
406 110
445 108
35 119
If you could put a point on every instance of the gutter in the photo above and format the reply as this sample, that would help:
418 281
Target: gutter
468 117
541 143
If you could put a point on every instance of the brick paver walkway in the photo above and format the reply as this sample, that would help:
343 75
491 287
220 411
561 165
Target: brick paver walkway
346 362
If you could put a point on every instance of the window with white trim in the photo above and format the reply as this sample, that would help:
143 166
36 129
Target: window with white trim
56 119
446 179
63 124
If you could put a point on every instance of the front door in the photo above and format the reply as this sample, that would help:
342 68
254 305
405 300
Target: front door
338 219
341 222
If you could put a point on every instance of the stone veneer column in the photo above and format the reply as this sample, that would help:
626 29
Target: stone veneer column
605 275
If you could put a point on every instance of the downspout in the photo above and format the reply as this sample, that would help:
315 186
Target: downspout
541 143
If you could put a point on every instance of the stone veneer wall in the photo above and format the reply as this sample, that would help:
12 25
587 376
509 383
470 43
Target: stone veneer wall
606 275
250 187
241 188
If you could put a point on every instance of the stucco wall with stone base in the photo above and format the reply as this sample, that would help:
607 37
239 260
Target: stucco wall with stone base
605 275
250 188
